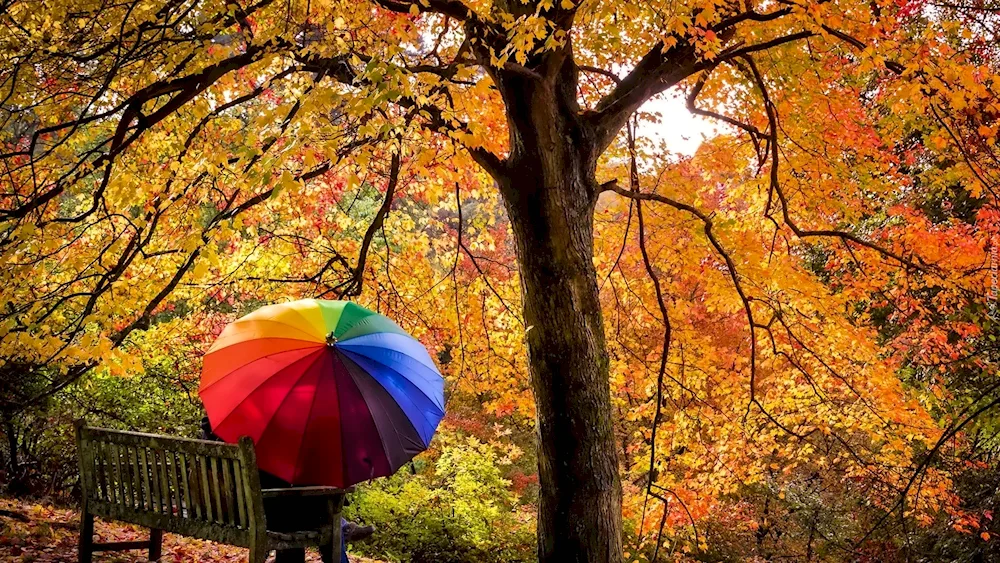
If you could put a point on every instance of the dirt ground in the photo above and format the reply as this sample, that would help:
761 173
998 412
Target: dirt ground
43 533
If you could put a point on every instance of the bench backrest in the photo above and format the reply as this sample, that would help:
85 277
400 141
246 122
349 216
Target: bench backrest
209 490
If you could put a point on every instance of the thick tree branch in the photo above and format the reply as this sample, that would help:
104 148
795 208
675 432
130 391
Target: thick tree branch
340 69
353 286
656 72
775 182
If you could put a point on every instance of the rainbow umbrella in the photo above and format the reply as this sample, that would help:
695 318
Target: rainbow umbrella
331 393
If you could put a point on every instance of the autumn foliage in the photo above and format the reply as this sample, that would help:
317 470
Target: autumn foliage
800 318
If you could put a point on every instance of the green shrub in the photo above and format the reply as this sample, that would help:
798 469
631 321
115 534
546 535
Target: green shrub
458 509
162 399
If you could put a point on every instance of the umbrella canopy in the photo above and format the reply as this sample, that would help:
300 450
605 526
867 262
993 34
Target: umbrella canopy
331 393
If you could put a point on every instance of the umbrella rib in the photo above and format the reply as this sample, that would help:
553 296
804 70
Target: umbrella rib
381 437
230 413
310 343
401 374
307 321
305 431
421 413
289 394
243 321
352 342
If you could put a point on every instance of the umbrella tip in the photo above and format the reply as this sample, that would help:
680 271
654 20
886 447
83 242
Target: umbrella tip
331 339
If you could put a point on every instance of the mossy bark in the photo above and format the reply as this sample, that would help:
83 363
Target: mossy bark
550 192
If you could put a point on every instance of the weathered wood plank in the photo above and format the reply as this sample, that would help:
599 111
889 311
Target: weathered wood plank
196 492
187 527
186 497
129 475
241 517
227 482
102 473
164 482
172 455
144 465
216 492
203 447
302 492
99 472
114 480
257 525
206 497
154 479
136 477
123 475
113 470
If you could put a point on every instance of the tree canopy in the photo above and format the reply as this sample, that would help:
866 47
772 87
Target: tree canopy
794 322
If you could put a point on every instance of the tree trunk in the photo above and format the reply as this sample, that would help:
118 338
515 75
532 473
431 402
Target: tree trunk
13 466
550 191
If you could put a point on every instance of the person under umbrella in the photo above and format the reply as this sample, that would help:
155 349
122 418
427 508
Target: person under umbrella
331 393
301 515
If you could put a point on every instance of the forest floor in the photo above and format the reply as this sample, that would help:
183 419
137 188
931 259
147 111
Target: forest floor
43 533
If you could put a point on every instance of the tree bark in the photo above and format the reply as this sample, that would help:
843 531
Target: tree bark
550 190
579 513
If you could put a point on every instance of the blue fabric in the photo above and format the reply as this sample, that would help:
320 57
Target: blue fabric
343 542
392 341
418 407
405 356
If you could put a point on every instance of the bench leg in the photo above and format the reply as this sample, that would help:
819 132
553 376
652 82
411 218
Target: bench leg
258 555
86 547
155 544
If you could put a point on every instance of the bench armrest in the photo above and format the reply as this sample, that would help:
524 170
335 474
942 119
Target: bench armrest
304 492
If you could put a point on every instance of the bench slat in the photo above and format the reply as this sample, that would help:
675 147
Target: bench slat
109 474
109 464
198 495
184 484
172 455
227 491
136 480
99 472
241 517
165 483
206 496
233 498
215 469
154 479
147 489
116 472
127 471
202 447
194 528
123 499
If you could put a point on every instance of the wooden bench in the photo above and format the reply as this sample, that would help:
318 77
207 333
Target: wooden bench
207 490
